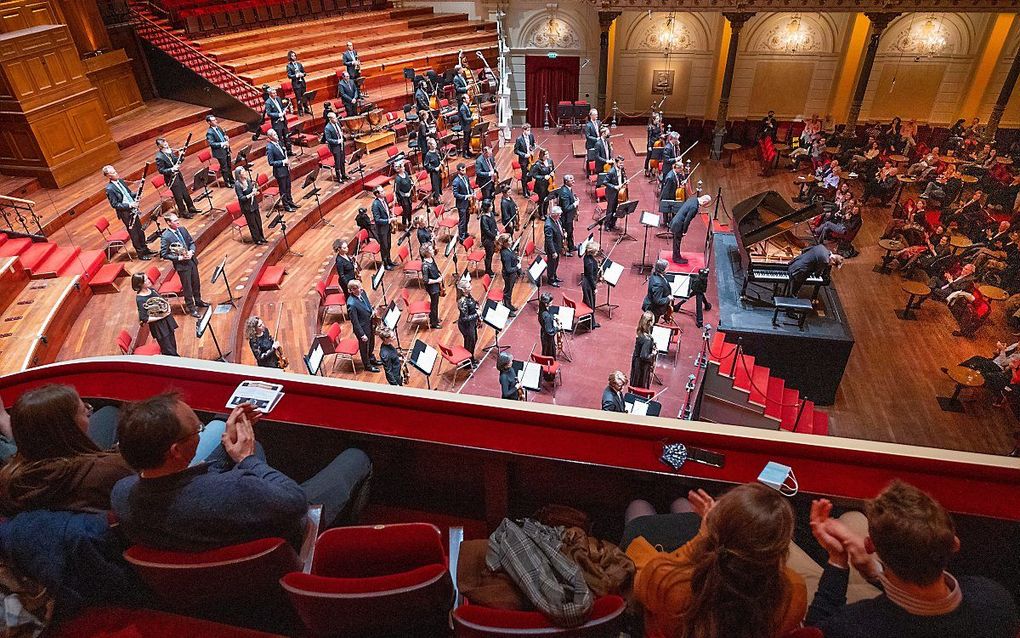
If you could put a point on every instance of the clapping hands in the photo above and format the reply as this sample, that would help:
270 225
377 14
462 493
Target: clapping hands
845 547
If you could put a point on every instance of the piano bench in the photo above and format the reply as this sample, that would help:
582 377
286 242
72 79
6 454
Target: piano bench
792 305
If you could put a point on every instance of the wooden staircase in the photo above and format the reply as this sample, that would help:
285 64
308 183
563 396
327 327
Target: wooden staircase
739 391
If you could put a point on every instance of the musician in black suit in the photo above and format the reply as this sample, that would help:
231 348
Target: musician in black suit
671 150
296 74
485 173
346 268
592 131
460 83
392 364
614 182
348 93
524 146
541 172
568 204
433 279
699 286
278 119
670 184
682 221
360 312
382 219
547 325
612 396
603 150
177 245
654 135
509 386
277 158
167 165
433 164
422 102
466 121
462 194
334 138
422 233
246 191
426 130
219 144
643 360
125 203
351 61
511 270
816 260
590 278
467 317
509 213
553 246
403 187
659 292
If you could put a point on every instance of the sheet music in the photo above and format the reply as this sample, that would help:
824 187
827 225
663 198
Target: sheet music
496 315
584 244
536 269
423 357
651 219
679 285
660 335
638 407
530 376
392 317
565 315
611 272
315 359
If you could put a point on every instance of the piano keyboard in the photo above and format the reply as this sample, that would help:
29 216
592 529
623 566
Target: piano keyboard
781 275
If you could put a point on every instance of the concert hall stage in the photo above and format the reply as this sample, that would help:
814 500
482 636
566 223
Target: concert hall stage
811 359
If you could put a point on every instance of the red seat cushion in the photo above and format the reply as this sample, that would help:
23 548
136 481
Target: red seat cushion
117 622
348 346
511 619
335 299
107 275
272 278
173 285
148 349
374 584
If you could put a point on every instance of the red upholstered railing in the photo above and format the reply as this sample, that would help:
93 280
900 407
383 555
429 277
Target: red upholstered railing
963 482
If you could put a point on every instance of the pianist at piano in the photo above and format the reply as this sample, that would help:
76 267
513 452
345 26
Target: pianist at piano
816 261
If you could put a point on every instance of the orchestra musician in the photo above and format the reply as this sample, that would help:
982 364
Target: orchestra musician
671 150
277 158
547 325
403 186
590 279
592 130
433 163
659 292
816 260
614 182
278 119
422 233
161 328
643 359
511 270
603 150
333 136
421 98
219 145
612 396
346 267
389 356
468 318
433 280
262 343
541 172
524 146
246 191
125 203
568 202
462 195
466 124
364 222
508 212
351 61
426 130
382 219
485 173
360 312
460 83
510 387
177 245
296 74
654 135
489 232
553 246
168 167
348 92
682 221
670 185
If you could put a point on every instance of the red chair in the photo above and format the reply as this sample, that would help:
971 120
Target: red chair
412 267
237 220
124 343
266 191
457 356
237 576
119 622
325 158
475 621
374 580
475 258
446 226
114 241
205 156
581 312
343 349
550 369
492 292
644 393
368 246
330 304
416 310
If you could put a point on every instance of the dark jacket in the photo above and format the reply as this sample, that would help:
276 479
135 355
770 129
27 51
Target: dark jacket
462 191
360 311
116 197
82 483
553 237
508 384
246 196
813 261
612 401
391 364
218 141
277 158
171 236
489 231
262 347
659 293
519 149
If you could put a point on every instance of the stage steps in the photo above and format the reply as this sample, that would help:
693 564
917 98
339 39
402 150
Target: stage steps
737 390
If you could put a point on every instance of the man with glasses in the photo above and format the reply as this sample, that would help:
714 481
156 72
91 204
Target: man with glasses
232 497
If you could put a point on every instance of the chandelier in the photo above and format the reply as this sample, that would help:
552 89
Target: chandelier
930 37
668 37
795 35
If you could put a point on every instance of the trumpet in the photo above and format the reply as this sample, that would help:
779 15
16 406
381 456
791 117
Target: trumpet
157 308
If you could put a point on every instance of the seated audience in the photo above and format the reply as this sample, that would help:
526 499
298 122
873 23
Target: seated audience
882 184
999 371
949 282
233 497
861 160
907 548
908 133
924 167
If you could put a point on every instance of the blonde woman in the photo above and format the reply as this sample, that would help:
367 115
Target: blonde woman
643 359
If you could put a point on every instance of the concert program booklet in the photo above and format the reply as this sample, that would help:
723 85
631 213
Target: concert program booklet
264 396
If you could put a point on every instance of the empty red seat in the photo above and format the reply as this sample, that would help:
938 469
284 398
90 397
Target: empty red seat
475 621
272 278
118 622
35 254
107 276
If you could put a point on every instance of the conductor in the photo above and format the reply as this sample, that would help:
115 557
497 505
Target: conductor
682 221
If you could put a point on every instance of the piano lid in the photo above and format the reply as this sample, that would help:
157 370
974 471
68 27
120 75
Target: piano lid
766 215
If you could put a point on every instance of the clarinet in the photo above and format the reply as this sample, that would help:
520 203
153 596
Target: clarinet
135 214
180 161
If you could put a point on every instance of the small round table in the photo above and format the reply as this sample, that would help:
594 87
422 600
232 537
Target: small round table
904 181
898 159
831 150
960 242
968 179
1008 161
948 159
993 293
889 246
963 378
918 293
731 147
804 181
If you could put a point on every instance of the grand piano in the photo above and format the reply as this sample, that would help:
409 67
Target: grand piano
764 227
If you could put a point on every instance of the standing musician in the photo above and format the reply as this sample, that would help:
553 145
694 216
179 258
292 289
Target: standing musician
508 212
346 267
433 163
167 165
485 173
277 158
466 122
460 83
462 195
654 135
348 93
382 219
592 129
590 278
603 150
699 286
614 182
547 325
262 344
423 234
553 246
509 386
403 186
816 260
177 245
433 279
489 232
360 312
246 190
219 144
511 270
541 172
643 359
671 151
296 73
278 118
421 98
161 328
682 221
659 292
568 202
426 130
351 61
467 318
670 185
333 136
125 203
612 396
392 364
524 146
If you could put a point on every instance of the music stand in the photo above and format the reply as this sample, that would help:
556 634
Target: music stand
241 159
296 132
221 271
648 220
529 374
360 168
202 178
377 281
282 223
309 98
535 270
391 318
313 190
205 322
624 210
315 356
423 358
680 288
495 315
668 208
323 342
641 406
611 272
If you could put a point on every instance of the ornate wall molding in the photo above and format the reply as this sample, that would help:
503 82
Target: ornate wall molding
553 33
831 6
680 39
904 34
